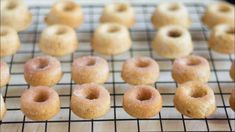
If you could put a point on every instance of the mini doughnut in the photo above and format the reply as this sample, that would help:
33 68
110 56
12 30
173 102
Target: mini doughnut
191 68
121 13
111 39
195 99
232 71
232 100
40 103
90 101
142 101
4 74
58 40
222 39
15 14
3 108
140 70
219 13
42 71
10 41
173 42
65 13
171 14
90 69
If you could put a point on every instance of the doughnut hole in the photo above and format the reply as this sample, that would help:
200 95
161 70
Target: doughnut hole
224 9
142 64
121 8
92 94
113 29
41 96
42 63
144 95
11 5
193 62
68 7
199 93
173 7
90 62
60 31
174 34
3 33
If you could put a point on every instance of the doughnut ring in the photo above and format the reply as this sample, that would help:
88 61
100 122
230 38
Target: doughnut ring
142 101
232 100
140 70
10 41
58 40
40 103
4 74
232 71
191 68
88 69
65 13
173 42
195 99
42 71
3 108
90 101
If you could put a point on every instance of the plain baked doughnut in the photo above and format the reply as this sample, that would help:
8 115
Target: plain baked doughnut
90 101
40 103
195 99
111 39
142 101
3 108
232 100
15 14
173 42
222 39
88 69
121 13
140 70
219 13
171 14
191 68
66 13
232 71
4 74
42 71
58 40
9 41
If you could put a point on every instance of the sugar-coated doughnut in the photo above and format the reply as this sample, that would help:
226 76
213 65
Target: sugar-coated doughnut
222 39
58 40
219 13
66 13
90 101
140 70
195 99
15 14
9 41
42 71
232 71
171 14
173 42
3 108
121 13
40 103
191 68
232 100
4 74
88 69
111 39
142 101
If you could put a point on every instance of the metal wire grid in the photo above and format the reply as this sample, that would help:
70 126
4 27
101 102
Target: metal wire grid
117 120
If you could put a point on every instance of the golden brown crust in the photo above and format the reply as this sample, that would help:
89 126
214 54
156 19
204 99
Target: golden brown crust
173 42
219 13
3 108
10 41
195 99
191 68
232 71
16 14
142 101
90 69
40 103
171 14
58 40
120 13
42 71
232 100
222 39
111 39
4 74
140 70
65 13
90 101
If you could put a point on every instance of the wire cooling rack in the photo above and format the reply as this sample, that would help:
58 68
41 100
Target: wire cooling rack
117 120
